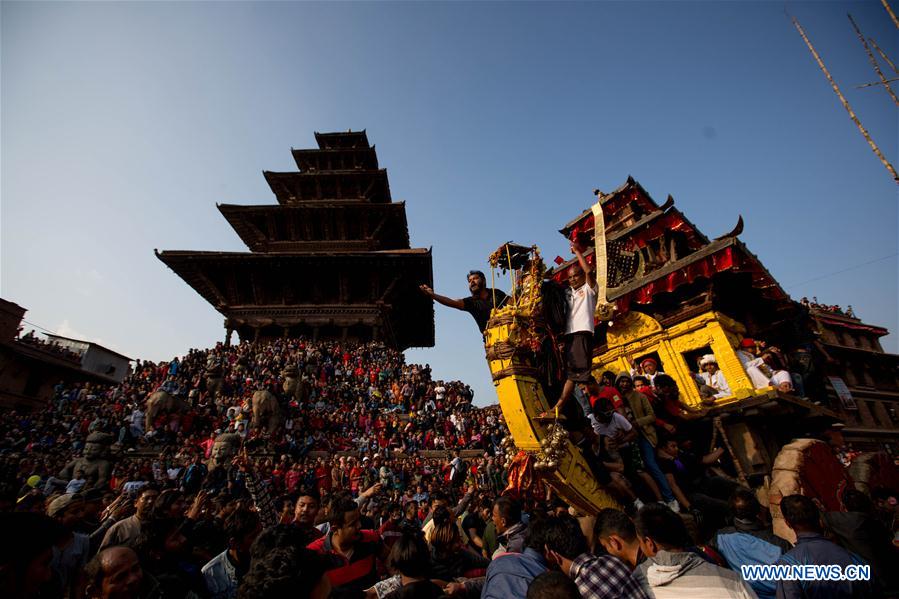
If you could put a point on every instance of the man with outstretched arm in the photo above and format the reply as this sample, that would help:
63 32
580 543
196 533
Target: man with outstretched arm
479 304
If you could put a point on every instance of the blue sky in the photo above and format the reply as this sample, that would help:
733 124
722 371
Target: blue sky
122 124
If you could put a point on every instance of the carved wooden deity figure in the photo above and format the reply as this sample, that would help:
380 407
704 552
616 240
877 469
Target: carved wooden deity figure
223 451
94 462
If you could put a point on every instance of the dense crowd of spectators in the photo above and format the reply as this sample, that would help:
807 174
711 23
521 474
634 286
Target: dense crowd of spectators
54 347
361 399
365 490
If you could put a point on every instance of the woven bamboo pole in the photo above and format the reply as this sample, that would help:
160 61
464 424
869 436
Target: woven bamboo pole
873 60
883 55
886 5
844 102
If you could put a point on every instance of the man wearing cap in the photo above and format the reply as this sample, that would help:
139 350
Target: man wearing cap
751 364
479 304
713 377
649 368
71 556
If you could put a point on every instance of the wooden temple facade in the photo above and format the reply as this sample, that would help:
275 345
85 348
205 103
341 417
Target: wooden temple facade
679 295
860 379
330 260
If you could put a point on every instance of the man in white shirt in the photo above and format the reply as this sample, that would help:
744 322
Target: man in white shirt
713 377
780 379
461 424
578 337
137 422
614 429
76 483
607 422
752 364
455 465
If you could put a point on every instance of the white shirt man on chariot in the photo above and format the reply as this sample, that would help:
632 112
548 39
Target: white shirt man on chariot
581 307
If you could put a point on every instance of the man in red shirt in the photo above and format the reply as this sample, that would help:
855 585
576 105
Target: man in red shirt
355 474
392 529
355 556
322 476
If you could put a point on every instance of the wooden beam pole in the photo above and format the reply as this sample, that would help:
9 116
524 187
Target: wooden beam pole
844 102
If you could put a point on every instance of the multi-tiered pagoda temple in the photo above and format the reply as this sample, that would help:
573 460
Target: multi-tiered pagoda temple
330 260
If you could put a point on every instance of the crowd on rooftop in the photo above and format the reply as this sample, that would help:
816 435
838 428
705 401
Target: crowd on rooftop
367 490
32 339
832 308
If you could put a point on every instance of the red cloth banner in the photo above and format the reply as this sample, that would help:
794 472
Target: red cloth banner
708 266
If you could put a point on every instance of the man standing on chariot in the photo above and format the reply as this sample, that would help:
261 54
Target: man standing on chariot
579 328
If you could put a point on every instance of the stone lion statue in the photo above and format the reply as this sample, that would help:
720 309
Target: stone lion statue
266 411
214 380
160 402
291 383
294 385
94 462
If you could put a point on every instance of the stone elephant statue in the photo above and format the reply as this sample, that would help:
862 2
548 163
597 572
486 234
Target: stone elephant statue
161 402
266 411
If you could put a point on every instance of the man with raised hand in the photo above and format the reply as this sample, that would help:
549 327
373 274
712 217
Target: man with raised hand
479 304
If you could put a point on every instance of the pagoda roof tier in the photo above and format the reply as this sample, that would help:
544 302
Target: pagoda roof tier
728 254
721 255
253 283
316 315
629 195
648 227
362 186
847 322
335 226
335 159
348 139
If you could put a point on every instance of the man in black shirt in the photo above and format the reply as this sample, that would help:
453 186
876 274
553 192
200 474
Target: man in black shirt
694 487
475 522
479 304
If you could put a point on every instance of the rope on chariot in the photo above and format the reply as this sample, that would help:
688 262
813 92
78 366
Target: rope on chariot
516 370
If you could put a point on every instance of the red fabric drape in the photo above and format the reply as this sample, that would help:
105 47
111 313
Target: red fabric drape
708 266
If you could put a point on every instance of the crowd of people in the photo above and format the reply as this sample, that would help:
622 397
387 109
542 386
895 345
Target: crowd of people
832 308
381 482
54 347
